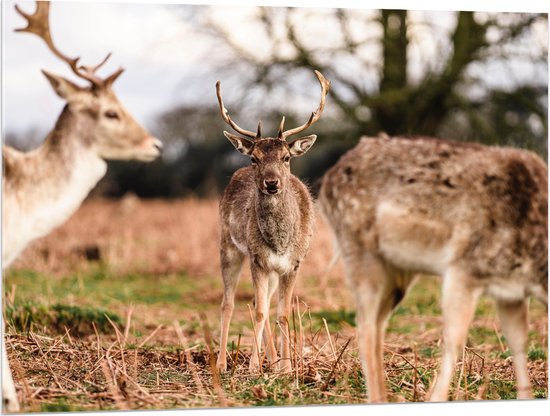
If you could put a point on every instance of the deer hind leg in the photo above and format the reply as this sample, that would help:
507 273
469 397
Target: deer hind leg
458 300
513 317
261 311
9 396
269 341
286 288
231 261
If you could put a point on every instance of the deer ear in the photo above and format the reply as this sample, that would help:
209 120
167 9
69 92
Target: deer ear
62 87
299 146
242 144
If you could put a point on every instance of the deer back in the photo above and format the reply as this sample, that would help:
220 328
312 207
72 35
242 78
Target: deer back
424 204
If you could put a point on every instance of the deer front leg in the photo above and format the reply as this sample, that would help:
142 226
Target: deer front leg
286 288
458 301
513 317
231 262
9 396
368 279
268 334
261 310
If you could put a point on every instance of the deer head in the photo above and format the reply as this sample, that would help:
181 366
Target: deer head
111 131
271 156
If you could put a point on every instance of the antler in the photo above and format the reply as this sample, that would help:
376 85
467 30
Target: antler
325 86
38 24
227 119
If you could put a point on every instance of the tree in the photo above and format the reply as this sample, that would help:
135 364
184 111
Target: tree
369 56
453 75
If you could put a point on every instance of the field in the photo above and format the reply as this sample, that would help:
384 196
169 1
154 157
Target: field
119 309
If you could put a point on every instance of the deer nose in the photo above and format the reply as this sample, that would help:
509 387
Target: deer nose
157 143
271 184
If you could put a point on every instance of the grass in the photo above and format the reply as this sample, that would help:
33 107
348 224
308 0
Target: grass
160 363
153 353
30 316
107 288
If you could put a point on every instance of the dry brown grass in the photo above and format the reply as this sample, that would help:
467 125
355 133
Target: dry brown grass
151 236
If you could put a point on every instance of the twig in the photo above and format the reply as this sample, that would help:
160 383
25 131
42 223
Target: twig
334 365
115 393
236 359
502 347
98 341
330 339
190 363
150 336
121 343
216 380
127 326
45 360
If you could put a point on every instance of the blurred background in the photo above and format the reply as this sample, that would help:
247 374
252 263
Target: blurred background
144 247
472 76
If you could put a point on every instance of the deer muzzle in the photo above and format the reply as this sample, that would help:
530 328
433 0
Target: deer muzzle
151 148
272 185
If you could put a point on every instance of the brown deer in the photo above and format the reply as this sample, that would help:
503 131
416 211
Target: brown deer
266 213
472 214
42 188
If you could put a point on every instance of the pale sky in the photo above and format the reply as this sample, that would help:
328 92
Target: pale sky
161 52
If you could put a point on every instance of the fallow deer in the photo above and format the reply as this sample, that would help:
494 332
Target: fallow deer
266 213
472 214
43 187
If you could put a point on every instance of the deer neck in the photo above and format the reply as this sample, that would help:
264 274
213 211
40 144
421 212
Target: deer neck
67 154
59 175
276 219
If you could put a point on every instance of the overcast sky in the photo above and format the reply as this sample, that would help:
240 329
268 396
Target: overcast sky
160 51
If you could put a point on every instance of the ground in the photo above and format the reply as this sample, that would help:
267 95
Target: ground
119 309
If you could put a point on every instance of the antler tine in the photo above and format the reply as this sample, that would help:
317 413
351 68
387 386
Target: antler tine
227 119
93 69
38 24
281 128
259 131
325 86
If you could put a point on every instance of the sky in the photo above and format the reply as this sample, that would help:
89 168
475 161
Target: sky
161 51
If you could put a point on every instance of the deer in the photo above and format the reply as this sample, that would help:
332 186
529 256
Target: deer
42 188
474 215
267 215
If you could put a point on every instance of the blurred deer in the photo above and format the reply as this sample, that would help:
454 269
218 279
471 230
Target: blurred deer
266 214
42 188
474 215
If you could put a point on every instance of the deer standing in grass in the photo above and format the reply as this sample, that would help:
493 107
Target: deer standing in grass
266 214
472 214
42 188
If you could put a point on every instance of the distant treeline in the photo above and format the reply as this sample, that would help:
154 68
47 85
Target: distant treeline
454 96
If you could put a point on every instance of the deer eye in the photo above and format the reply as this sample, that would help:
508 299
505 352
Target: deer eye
286 159
111 114
254 160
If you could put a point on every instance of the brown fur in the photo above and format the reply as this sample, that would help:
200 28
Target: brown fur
274 230
473 214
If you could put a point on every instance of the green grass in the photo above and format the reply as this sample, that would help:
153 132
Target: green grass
334 319
29 316
100 286
287 391
58 406
536 354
